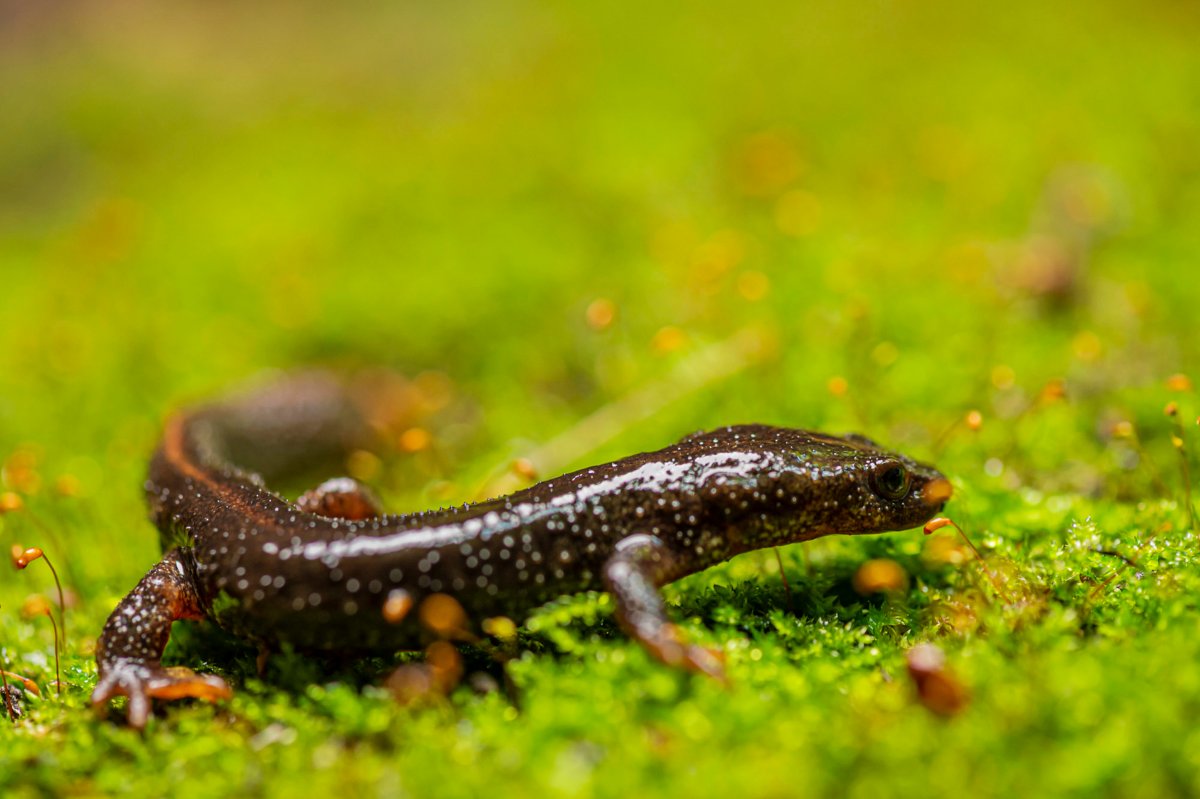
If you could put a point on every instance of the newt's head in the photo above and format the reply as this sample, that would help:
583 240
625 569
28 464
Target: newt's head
793 485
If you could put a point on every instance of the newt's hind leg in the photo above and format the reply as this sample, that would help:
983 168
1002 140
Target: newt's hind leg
129 652
633 575
341 498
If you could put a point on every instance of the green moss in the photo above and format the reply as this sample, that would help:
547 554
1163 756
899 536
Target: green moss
882 194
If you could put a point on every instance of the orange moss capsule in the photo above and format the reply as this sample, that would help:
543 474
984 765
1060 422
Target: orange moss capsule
974 420
1171 409
1054 390
1179 382
445 663
668 339
67 485
524 468
415 439
10 501
26 683
443 615
880 575
38 605
35 605
436 677
933 525
944 550
500 627
410 683
938 688
23 557
397 606
600 313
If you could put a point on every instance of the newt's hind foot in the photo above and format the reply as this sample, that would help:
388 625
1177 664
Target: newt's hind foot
341 498
130 648
668 645
141 682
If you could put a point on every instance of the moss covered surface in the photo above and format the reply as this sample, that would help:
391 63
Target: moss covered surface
877 218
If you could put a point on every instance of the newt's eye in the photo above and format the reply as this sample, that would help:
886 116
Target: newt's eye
890 480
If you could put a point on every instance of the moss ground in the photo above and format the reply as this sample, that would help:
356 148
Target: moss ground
877 218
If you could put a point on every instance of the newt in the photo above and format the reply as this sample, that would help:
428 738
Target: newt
330 572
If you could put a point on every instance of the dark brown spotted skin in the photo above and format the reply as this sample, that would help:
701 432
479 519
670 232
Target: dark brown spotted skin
266 570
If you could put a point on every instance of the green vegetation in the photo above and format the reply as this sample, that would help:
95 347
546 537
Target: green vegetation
876 217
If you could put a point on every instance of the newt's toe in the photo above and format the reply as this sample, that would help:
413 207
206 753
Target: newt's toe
183 683
142 682
707 661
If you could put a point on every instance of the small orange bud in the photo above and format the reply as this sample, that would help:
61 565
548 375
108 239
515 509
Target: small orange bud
944 550
937 687
35 605
1054 390
974 420
878 575
23 557
411 683
668 339
67 485
397 606
500 627
600 314
1179 382
1172 408
442 614
524 468
415 439
445 664
933 525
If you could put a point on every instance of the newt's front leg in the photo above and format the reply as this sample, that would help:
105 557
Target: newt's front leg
640 564
129 652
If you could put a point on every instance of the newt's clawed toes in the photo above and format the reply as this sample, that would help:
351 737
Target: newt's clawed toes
707 661
183 683
670 647
141 682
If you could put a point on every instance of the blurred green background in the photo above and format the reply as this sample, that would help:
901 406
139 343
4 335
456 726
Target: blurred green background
583 230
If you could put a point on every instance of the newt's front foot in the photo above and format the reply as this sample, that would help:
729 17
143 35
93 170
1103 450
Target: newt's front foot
632 575
141 682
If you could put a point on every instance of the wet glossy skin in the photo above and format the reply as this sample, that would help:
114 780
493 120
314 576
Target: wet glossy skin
264 569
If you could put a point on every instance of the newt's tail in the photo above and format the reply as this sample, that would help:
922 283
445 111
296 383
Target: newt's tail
280 428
